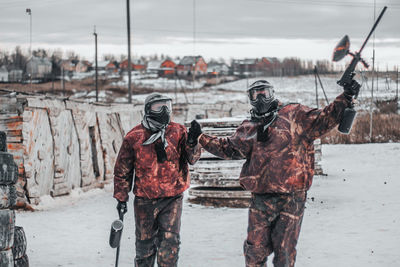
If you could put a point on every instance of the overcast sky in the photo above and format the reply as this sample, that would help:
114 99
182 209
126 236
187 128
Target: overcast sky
307 29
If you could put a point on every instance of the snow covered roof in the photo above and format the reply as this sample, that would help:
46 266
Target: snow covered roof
138 62
246 61
102 64
189 60
154 64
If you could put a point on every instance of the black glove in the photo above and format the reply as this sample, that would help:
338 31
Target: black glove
122 207
352 89
194 133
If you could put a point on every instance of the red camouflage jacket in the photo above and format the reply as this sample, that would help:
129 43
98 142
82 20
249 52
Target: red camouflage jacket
285 162
154 179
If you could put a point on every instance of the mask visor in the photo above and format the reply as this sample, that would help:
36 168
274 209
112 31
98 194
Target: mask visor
267 92
158 105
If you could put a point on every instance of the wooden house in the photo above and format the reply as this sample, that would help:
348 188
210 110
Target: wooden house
39 68
153 66
83 66
15 75
136 65
245 67
217 68
167 68
190 65
161 67
68 65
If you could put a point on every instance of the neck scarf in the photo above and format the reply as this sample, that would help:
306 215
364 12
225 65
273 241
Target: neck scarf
157 128
267 118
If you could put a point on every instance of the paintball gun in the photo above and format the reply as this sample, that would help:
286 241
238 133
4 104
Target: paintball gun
115 235
340 51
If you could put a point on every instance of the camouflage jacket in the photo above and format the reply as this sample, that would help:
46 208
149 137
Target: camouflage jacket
154 179
285 162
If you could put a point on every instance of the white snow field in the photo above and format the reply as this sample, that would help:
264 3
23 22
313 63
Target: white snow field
354 220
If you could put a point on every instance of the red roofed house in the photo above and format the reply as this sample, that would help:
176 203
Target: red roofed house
188 64
167 68
136 65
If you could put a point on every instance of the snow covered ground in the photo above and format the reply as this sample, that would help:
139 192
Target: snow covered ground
288 89
353 220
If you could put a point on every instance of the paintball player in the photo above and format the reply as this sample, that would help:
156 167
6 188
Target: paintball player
277 143
154 156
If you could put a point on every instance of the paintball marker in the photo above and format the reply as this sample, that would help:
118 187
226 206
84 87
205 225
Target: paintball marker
340 51
115 234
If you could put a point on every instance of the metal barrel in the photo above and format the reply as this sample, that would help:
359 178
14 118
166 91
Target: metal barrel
347 120
116 232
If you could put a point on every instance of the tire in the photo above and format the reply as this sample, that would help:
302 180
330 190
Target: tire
8 169
7 224
6 258
8 196
22 262
19 247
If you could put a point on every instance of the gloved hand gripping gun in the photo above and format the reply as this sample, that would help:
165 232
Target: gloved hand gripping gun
341 50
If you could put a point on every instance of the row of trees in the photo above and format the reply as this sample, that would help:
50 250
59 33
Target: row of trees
288 66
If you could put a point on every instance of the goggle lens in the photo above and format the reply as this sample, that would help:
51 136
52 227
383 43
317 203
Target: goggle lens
157 106
265 91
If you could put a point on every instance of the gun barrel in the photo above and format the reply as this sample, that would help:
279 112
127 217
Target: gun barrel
373 28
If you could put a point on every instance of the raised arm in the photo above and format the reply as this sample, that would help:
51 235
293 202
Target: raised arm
317 122
237 146
123 172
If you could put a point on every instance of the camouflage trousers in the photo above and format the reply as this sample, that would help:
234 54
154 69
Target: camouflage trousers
158 223
274 226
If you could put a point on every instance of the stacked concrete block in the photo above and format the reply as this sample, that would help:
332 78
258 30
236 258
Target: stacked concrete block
12 238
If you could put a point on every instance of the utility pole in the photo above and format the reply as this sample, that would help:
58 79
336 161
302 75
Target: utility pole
128 21
372 87
95 59
316 85
62 81
397 83
29 12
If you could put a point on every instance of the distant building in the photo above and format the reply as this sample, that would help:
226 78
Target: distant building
190 64
136 65
153 66
39 68
161 67
139 65
15 75
83 66
3 74
268 66
124 65
217 68
246 67
67 65
107 66
167 68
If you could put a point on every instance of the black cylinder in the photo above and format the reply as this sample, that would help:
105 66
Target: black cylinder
347 120
116 232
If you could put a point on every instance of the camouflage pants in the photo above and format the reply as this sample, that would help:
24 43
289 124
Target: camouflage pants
158 223
274 226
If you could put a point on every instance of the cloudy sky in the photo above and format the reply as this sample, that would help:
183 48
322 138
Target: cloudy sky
307 29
